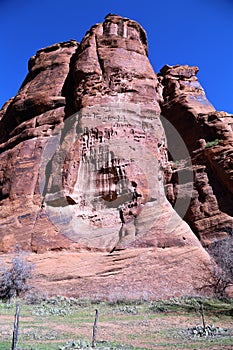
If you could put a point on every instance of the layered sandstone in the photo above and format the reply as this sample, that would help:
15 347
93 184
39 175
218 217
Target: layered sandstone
106 176
84 157
110 82
208 135
26 123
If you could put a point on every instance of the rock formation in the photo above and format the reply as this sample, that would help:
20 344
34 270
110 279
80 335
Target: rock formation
208 135
84 155
26 122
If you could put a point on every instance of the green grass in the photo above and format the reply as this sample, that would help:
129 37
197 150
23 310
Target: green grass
137 325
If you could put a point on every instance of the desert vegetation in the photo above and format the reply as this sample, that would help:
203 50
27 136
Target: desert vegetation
212 143
222 271
14 279
62 323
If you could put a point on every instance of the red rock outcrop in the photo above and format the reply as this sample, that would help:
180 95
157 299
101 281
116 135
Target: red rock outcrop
112 66
105 187
84 155
26 123
208 136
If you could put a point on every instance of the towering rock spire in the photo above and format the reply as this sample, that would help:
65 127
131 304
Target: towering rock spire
112 66
84 153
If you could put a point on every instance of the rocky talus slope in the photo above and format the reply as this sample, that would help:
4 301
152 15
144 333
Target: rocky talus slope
89 165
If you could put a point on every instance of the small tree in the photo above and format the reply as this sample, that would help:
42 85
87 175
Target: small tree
14 280
222 271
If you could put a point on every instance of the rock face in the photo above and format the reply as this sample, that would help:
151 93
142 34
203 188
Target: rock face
26 122
112 66
84 155
208 136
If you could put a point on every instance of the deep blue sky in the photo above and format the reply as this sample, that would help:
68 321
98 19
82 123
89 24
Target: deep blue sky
194 32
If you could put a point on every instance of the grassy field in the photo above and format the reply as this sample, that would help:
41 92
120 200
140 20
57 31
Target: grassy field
62 324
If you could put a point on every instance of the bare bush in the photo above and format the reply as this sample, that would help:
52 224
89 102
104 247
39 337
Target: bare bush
34 296
222 271
14 279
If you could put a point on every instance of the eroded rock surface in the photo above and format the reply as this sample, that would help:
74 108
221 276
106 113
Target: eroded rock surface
208 135
26 123
84 157
110 188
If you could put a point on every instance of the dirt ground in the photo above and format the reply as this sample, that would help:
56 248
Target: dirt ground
132 324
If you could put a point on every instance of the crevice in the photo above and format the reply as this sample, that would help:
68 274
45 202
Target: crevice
68 87
222 194
112 272
68 278
101 62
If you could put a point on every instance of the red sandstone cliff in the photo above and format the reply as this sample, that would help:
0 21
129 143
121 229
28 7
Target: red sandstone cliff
84 156
208 135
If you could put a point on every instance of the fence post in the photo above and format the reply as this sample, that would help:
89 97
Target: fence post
95 329
16 329
203 317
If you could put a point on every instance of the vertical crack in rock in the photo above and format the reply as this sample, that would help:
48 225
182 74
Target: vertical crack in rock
100 60
68 87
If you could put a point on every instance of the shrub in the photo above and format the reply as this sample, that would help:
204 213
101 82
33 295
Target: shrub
34 296
14 280
212 143
222 273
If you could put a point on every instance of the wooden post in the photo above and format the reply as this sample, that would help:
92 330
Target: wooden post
95 329
203 316
16 329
